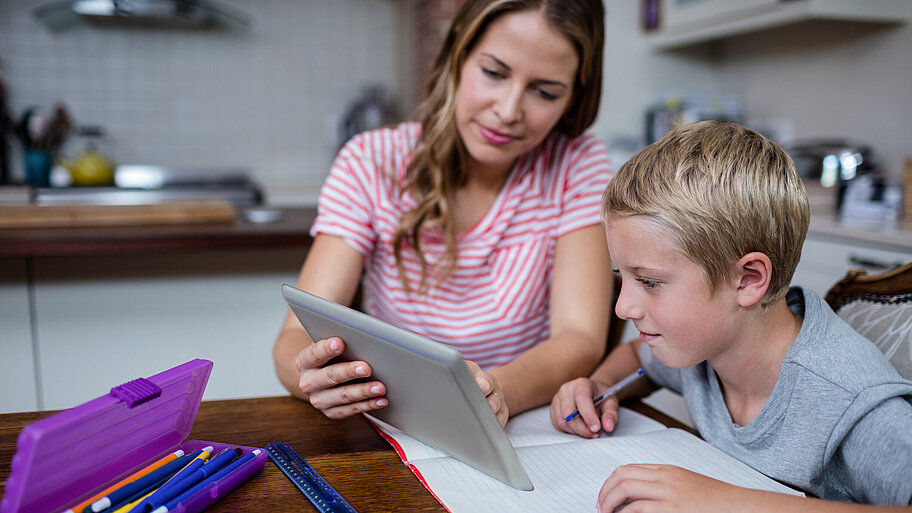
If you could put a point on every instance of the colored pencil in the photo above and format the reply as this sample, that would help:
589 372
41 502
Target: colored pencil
129 479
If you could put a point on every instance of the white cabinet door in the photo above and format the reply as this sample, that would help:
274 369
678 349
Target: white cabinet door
105 320
17 363
825 260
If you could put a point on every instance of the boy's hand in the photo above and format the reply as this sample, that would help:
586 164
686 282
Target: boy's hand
577 395
646 487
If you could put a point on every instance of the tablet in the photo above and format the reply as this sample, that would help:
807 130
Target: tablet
432 394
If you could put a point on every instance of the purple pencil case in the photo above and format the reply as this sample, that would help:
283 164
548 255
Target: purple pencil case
66 458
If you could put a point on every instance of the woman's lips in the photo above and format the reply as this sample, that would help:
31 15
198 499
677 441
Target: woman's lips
494 137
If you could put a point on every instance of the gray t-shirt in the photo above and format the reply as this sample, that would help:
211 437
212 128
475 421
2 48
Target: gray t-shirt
838 423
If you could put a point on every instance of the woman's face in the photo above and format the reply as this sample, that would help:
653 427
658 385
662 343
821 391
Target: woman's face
514 86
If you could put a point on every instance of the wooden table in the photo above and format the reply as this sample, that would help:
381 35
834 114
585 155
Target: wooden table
290 230
349 454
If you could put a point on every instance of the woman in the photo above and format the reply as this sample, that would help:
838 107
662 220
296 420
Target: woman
477 227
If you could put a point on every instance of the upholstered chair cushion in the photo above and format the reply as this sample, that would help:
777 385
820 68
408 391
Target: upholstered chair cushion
887 324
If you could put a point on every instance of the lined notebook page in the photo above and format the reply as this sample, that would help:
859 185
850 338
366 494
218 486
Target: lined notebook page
568 471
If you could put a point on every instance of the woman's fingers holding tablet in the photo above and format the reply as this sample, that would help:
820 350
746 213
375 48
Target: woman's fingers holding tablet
327 386
492 391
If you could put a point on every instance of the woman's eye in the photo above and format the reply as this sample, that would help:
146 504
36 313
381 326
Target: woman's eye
545 94
491 72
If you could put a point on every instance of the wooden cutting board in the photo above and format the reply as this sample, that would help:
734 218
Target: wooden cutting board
78 216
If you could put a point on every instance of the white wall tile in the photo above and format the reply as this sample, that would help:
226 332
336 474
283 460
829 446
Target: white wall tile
267 99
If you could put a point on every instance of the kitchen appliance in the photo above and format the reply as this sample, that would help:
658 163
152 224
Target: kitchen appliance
835 163
144 185
188 14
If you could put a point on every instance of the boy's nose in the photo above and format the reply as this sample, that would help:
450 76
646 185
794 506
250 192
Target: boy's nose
626 308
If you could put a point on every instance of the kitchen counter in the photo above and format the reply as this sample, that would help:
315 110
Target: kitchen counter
895 236
291 229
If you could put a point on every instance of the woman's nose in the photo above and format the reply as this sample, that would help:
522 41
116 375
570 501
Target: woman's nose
508 106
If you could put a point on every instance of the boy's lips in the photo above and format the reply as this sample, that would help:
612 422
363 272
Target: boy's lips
648 337
494 137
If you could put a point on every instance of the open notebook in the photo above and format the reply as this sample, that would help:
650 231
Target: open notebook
567 470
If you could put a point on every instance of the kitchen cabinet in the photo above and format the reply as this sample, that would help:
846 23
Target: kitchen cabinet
683 23
18 387
84 309
826 258
103 320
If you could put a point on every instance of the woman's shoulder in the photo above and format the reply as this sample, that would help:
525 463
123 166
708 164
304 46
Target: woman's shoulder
586 144
400 138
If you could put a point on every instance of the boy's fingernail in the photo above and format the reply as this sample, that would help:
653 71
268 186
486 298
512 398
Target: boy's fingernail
594 428
381 402
334 345
375 389
361 370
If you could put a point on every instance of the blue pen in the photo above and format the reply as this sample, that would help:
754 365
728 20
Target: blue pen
131 491
199 459
206 482
163 495
610 392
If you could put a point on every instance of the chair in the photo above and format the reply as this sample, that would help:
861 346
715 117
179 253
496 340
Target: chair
880 308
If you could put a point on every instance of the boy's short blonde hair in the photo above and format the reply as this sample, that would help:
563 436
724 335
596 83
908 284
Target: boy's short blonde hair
722 191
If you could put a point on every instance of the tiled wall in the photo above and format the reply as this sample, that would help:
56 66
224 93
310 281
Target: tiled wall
267 99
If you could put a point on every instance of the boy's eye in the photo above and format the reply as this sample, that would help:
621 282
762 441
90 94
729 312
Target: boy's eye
649 284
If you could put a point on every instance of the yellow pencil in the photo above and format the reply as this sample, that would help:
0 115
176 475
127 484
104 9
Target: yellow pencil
127 507
129 479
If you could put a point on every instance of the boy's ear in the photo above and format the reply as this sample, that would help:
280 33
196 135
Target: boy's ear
753 272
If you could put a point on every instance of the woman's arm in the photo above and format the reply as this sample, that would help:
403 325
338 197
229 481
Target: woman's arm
581 291
332 270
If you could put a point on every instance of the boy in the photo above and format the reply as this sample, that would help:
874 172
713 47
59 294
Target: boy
706 227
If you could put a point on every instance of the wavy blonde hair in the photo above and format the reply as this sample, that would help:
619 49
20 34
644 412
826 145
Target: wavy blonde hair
722 191
438 167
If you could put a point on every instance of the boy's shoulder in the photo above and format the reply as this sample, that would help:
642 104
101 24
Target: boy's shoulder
828 349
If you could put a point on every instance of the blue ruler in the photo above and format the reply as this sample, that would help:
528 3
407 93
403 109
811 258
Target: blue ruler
323 496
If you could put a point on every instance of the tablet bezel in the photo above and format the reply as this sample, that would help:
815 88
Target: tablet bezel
433 396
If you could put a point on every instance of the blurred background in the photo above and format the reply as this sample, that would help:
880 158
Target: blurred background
263 93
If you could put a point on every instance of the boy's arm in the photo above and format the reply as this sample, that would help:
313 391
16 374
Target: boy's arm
620 363
644 487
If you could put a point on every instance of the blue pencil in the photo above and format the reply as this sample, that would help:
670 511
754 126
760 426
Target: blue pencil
188 469
131 491
214 477
163 495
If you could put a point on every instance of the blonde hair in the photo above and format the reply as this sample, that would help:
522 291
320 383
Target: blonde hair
438 167
722 191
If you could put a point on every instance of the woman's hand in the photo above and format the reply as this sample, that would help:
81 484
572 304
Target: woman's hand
328 387
577 395
667 488
492 391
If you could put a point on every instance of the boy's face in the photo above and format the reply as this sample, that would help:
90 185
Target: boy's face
665 295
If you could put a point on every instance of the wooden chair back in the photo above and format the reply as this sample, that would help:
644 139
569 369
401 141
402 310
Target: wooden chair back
880 308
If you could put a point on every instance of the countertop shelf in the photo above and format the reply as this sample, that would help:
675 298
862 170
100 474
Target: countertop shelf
291 229
745 17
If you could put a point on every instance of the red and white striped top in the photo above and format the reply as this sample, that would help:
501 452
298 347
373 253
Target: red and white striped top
495 304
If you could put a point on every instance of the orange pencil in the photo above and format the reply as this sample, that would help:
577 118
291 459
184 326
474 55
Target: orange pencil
129 479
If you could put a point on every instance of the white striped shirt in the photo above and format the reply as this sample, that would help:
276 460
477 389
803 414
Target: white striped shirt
495 304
